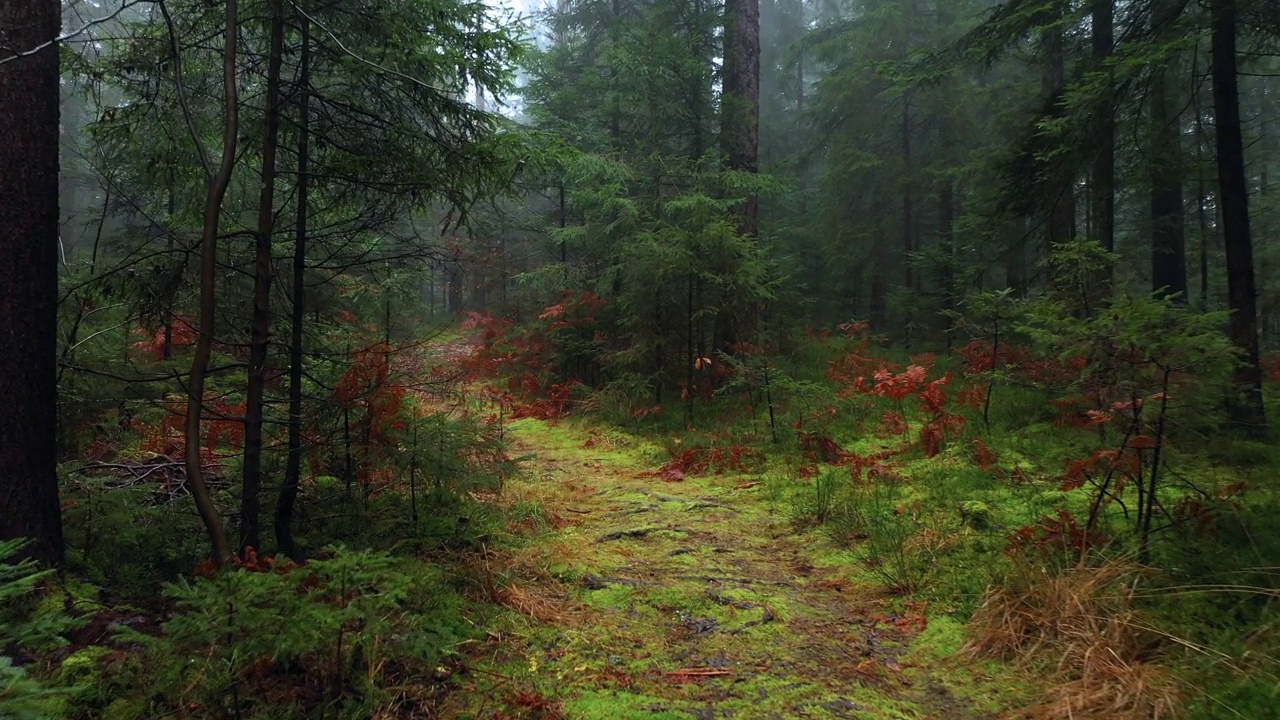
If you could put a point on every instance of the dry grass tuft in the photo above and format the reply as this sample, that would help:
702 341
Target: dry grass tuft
1080 626
538 603
607 440
516 583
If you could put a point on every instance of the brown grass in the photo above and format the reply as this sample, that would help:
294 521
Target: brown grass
541 604
1079 625
515 582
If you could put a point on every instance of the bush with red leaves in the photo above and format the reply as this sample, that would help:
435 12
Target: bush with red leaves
543 361
699 460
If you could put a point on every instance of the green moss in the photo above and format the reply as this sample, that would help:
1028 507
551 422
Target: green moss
977 515
613 597
943 637
83 667
126 709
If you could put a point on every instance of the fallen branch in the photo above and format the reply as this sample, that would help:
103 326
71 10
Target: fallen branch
639 533
699 672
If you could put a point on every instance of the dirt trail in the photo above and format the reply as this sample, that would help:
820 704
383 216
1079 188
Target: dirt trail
693 599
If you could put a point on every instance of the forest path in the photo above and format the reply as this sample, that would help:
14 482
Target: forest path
646 599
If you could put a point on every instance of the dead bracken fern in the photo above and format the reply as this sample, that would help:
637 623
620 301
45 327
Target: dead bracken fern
1079 625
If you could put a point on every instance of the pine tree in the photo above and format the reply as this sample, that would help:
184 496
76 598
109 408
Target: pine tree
29 124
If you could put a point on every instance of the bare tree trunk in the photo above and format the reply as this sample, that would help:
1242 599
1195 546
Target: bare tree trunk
1103 185
293 464
908 242
1015 270
264 272
1242 294
740 116
218 183
740 139
453 293
1168 227
878 310
1062 207
1207 234
564 221
29 126
947 230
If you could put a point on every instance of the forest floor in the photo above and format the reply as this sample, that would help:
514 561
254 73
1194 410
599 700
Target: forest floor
638 597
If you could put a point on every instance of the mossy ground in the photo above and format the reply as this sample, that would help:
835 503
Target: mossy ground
696 599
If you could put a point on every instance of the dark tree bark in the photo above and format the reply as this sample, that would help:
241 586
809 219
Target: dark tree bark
1207 234
1233 196
947 233
1062 194
740 121
453 293
740 140
699 91
1016 263
263 274
878 298
217 190
1168 226
1102 187
908 202
293 464
29 128
563 216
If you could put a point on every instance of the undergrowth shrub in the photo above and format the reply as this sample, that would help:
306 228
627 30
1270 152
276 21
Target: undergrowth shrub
819 500
106 522
896 546
341 637
701 460
25 625
544 359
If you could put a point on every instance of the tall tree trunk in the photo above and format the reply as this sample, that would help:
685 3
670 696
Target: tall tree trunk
1165 162
1015 270
1207 234
171 283
699 89
293 464
29 126
615 115
1103 184
1233 196
564 221
878 310
947 231
264 272
740 121
740 138
453 292
218 183
1062 200
908 242
1202 219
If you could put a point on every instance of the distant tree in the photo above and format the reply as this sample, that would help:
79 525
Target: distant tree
29 131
